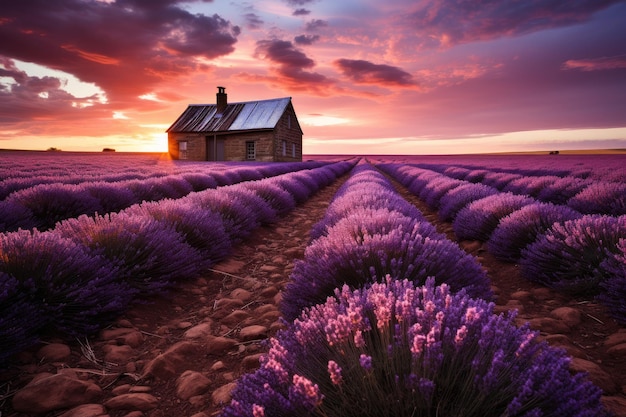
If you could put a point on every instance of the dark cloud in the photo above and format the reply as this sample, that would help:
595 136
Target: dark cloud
253 21
365 72
315 24
301 12
296 3
292 65
449 22
306 39
125 47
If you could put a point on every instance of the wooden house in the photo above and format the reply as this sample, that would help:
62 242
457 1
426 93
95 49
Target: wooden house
264 130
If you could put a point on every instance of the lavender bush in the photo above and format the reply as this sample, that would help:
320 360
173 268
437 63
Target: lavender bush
201 229
478 219
277 197
72 289
613 288
520 228
569 256
432 192
601 197
458 197
355 251
151 255
50 203
394 349
20 318
561 190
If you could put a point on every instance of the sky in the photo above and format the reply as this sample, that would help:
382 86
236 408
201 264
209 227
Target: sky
365 77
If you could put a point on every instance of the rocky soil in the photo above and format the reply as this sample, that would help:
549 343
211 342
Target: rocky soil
181 355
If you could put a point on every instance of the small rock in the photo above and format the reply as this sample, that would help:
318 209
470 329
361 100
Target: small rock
228 303
568 315
218 366
118 354
140 401
191 383
123 336
541 293
616 405
615 339
198 331
230 266
54 352
549 325
170 362
241 294
216 345
617 350
47 392
251 361
253 332
521 295
222 395
86 410
235 317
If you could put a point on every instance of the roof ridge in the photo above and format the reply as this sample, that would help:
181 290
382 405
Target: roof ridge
242 102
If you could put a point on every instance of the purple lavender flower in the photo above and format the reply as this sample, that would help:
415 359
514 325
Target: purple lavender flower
520 228
432 192
499 180
613 288
529 185
74 291
411 362
201 229
561 190
478 219
458 197
602 198
277 197
356 253
151 255
569 255
51 203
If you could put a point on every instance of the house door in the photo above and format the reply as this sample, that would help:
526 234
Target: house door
215 148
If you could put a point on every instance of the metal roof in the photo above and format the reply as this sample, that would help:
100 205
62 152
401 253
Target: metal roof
249 115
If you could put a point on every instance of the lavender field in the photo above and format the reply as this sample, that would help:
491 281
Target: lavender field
382 315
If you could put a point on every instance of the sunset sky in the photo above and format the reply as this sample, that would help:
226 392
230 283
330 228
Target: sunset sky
365 77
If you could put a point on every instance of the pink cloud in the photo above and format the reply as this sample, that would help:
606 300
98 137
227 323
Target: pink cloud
596 64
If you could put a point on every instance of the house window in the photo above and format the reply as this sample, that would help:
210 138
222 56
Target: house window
182 150
284 148
293 150
250 151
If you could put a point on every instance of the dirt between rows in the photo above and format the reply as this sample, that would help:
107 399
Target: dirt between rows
180 355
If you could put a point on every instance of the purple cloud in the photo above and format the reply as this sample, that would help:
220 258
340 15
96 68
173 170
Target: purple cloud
291 64
315 24
365 72
301 12
306 39
449 22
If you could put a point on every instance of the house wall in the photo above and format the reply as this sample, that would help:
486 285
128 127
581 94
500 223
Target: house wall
288 130
196 145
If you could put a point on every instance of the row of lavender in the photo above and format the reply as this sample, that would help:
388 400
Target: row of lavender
586 195
387 317
81 274
43 205
555 245
605 167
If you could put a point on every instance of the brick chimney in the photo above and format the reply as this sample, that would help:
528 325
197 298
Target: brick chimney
221 100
